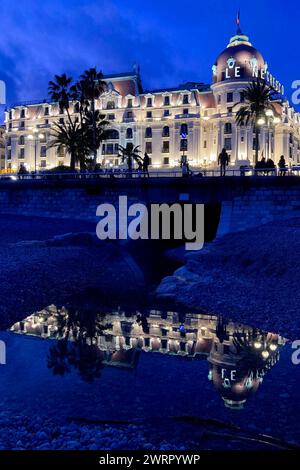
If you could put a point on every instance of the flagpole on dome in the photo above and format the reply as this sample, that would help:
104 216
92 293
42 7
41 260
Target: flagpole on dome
238 22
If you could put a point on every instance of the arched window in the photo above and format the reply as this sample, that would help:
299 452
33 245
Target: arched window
112 134
111 105
166 131
148 133
183 130
129 133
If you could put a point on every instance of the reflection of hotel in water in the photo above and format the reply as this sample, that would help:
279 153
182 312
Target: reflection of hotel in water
238 356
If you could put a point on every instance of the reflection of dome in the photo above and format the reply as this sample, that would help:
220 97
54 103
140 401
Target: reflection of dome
239 54
234 392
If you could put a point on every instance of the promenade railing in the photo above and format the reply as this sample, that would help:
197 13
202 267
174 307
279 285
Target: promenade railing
176 173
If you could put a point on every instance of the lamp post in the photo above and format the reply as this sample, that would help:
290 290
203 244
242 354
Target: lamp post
36 135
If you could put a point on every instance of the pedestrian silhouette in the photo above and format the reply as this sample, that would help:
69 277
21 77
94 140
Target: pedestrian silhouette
223 162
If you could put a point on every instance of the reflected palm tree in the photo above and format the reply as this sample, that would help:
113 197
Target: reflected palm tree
77 347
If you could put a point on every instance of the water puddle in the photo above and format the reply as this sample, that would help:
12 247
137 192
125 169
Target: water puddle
141 365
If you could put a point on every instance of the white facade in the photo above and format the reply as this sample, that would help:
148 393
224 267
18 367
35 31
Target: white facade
155 120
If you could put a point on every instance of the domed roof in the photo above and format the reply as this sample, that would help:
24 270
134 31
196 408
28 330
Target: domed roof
238 60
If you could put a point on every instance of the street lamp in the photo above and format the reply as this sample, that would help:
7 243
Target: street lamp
36 135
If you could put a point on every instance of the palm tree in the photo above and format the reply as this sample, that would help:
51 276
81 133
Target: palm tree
68 136
102 132
257 99
130 154
93 86
60 92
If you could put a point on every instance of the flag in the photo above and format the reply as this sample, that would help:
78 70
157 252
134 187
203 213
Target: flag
238 18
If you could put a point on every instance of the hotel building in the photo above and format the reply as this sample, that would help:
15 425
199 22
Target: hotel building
195 118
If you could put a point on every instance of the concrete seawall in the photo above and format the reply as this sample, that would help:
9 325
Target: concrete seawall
246 202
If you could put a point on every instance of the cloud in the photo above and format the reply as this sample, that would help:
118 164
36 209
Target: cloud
44 38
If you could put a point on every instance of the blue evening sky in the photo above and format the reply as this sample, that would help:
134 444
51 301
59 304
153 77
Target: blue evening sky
172 40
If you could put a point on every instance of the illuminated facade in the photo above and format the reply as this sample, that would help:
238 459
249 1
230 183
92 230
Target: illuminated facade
2 147
238 356
195 118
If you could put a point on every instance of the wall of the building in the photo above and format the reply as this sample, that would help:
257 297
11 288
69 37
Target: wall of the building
206 130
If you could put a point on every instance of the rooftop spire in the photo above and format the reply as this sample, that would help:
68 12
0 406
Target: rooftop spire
240 37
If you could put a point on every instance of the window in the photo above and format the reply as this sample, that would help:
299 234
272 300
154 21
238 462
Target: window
228 128
229 97
113 134
242 139
22 113
21 140
148 147
110 149
149 102
254 144
22 153
129 103
10 125
183 145
166 147
166 131
205 144
149 115
110 105
166 101
129 133
76 108
10 114
242 97
183 130
43 164
61 120
9 141
9 154
46 122
166 113
166 161
129 115
219 99
46 111
22 125
186 111
61 109
185 99
76 120
229 110
227 143
110 117
43 151
148 133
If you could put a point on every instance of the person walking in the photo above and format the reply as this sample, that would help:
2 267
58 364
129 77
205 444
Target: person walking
282 166
146 163
223 162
